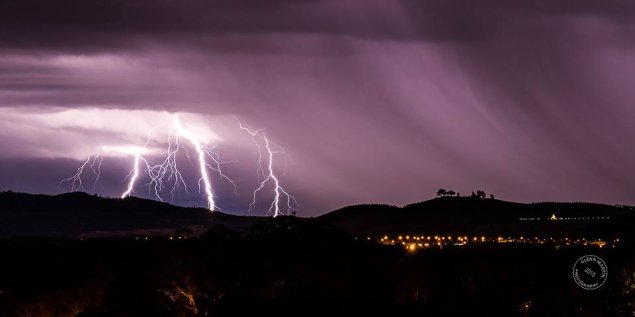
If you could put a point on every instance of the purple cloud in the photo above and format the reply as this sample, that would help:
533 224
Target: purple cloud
373 101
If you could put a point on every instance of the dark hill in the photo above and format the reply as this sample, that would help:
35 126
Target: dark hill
467 215
80 214
74 214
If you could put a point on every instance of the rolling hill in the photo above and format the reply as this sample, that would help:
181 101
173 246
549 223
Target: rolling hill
83 215
467 215
76 214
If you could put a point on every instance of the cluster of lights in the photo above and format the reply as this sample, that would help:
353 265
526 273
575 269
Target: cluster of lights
169 237
556 218
414 242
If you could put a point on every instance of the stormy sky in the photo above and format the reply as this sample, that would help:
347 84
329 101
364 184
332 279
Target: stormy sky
371 101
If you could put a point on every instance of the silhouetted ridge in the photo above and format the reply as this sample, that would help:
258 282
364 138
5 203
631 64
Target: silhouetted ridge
351 210
470 215
72 214
75 214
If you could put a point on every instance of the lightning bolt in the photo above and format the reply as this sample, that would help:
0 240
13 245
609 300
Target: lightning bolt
96 171
167 170
164 176
133 178
94 163
268 174
202 163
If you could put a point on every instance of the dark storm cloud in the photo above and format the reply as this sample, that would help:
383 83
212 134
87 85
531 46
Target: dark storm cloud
380 101
94 25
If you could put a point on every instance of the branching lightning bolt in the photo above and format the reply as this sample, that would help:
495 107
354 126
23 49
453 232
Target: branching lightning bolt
165 176
167 171
133 177
200 150
94 163
268 174
203 152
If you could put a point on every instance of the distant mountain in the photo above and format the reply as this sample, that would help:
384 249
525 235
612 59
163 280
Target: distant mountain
75 214
468 215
